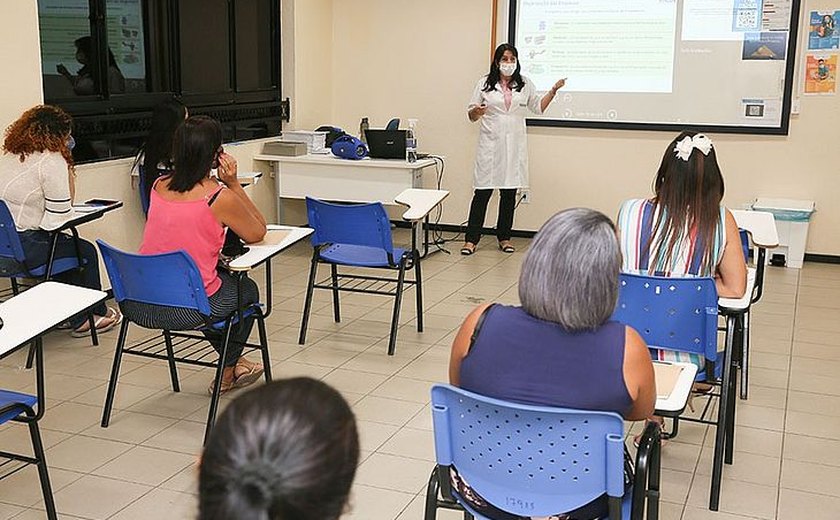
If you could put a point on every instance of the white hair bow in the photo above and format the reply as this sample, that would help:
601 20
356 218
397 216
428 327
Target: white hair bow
684 148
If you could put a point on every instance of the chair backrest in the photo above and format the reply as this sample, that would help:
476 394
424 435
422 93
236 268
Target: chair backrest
10 247
141 182
528 460
745 244
355 224
671 313
168 279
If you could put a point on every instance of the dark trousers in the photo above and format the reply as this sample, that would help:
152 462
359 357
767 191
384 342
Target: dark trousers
478 210
36 246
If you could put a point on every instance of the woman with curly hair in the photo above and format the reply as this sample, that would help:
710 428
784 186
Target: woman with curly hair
36 183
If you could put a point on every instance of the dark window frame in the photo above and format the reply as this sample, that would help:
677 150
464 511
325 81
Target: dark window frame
125 116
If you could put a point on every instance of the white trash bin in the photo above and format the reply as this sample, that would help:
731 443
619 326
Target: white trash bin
792 218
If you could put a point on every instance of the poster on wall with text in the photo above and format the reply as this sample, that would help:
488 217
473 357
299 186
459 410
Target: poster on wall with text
823 32
821 73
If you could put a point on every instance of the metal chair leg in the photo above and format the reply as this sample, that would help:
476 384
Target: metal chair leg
115 373
217 384
745 357
94 335
418 286
170 358
432 496
395 318
263 345
722 427
307 305
30 357
43 472
336 305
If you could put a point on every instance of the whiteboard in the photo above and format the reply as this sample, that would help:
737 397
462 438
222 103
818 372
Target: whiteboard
717 65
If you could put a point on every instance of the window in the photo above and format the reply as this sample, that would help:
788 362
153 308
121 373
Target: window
109 62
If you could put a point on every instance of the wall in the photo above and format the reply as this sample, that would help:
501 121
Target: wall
422 59
385 58
20 56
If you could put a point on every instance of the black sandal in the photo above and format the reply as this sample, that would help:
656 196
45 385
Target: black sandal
507 247
467 250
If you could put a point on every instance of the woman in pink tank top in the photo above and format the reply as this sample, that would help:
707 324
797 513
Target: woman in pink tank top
189 210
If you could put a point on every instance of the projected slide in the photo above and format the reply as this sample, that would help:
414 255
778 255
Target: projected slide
610 46
716 63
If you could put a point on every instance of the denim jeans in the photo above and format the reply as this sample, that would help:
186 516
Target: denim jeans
36 247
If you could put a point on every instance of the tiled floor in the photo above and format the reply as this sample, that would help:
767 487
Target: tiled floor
787 460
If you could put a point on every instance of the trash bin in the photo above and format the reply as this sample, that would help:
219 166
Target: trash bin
792 218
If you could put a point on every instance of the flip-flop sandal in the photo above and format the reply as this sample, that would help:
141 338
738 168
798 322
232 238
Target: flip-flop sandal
507 248
467 251
113 316
255 371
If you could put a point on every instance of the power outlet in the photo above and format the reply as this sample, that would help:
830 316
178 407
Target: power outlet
525 197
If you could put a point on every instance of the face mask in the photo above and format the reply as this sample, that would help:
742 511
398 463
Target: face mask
71 143
507 68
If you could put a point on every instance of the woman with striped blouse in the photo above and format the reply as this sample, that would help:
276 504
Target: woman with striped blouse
684 230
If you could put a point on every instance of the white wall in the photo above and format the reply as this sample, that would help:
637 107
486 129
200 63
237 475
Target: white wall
385 58
20 56
421 59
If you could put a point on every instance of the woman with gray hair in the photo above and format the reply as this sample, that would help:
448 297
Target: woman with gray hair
560 347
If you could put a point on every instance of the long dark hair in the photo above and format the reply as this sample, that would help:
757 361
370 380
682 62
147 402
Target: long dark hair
158 146
85 44
286 450
194 148
688 194
495 75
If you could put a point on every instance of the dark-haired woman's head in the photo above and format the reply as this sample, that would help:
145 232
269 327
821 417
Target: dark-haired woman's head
43 128
689 190
570 272
157 149
505 56
287 450
195 148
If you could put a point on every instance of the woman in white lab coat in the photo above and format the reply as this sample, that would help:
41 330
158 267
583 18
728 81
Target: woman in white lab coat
500 102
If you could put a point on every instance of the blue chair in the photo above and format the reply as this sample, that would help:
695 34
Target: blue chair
536 460
13 264
171 281
681 314
18 407
358 235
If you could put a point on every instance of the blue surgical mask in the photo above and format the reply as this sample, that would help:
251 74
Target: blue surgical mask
71 143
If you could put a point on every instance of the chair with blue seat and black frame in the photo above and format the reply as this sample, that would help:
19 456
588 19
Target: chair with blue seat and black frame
680 314
167 282
13 264
535 461
359 235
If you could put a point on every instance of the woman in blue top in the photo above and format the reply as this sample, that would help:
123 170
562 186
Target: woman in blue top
559 348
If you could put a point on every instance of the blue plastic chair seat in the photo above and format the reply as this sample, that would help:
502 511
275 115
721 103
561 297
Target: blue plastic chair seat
250 311
360 256
7 397
60 265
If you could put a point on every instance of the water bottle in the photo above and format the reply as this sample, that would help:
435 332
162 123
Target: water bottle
364 125
411 141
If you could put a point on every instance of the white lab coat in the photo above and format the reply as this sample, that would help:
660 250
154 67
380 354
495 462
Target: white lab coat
501 160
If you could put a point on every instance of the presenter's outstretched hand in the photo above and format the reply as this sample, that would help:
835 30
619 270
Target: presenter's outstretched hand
477 112
227 170
560 84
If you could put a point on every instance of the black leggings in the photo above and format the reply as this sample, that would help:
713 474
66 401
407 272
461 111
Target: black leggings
478 210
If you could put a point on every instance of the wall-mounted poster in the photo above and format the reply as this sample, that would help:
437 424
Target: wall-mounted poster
824 33
820 73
